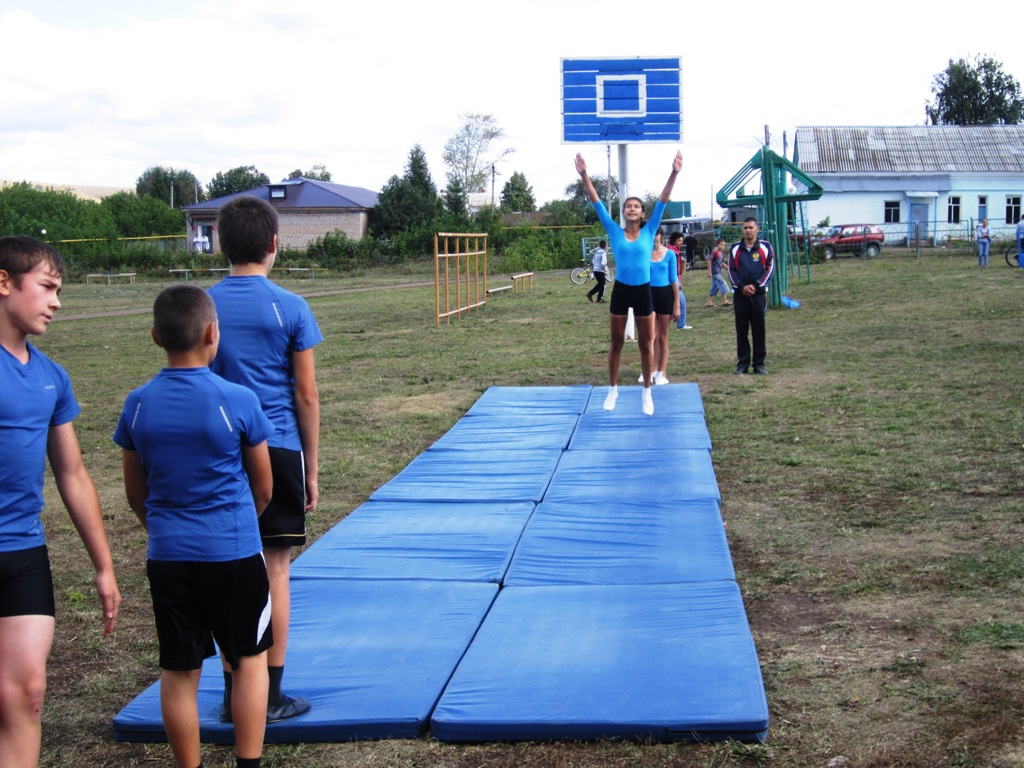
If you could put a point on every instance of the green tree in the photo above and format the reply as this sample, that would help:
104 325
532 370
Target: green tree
563 213
241 179
318 172
137 216
174 187
577 195
975 94
25 210
517 195
467 154
409 202
455 198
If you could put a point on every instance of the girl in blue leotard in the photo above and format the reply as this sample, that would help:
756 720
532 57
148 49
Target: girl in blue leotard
632 246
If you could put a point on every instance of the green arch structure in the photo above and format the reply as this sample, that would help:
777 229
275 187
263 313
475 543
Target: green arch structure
772 204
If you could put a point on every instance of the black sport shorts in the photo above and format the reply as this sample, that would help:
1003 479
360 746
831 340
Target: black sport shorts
26 583
636 296
283 522
664 299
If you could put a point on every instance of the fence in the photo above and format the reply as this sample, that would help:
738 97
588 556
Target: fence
457 258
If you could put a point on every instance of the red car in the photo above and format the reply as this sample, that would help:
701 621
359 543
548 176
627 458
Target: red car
866 239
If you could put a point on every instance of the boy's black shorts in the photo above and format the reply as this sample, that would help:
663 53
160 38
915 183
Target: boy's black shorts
26 583
196 603
283 522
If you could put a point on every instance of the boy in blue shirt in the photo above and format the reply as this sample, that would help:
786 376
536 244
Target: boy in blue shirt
37 409
197 475
268 336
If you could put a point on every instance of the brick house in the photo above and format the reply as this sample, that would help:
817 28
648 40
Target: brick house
307 209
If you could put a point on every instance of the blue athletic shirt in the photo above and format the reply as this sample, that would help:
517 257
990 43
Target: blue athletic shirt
261 324
188 426
632 259
664 272
33 397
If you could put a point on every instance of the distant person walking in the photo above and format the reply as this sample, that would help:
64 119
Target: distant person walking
632 247
751 262
675 245
718 284
600 270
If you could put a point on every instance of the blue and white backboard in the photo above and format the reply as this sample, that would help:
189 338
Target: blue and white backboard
621 101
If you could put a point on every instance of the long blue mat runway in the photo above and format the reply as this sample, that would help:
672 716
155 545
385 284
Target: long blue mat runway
545 570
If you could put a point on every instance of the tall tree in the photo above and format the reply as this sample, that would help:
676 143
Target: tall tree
174 187
318 172
468 153
240 179
517 195
578 196
455 200
408 202
975 94
143 216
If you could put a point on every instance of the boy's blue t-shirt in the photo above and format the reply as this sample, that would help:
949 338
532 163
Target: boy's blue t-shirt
33 397
261 325
188 426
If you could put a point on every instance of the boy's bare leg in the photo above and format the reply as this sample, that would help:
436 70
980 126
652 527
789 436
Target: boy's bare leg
24 646
249 705
180 711
278 572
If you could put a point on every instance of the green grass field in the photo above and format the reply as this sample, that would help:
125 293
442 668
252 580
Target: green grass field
872 484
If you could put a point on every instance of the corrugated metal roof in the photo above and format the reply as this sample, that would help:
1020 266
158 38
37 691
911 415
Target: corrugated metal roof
301 194
911 149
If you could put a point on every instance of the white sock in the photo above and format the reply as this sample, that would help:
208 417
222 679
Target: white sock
613 395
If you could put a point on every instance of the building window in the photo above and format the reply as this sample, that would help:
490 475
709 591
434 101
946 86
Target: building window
953 211
892 212
982 207
1012 209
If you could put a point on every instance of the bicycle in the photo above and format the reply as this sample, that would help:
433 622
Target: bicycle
1012 257
580 275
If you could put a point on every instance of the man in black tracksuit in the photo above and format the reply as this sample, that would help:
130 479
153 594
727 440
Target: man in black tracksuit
751 262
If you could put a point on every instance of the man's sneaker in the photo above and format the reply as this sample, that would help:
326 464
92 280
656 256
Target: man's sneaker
741 370
760 369
287 707
686 327
661 378
647 402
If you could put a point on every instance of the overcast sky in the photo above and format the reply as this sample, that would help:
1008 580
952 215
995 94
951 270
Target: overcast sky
96 93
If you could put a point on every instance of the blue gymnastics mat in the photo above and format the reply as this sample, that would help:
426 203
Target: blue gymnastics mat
615 542
465 541
536 400
508 475
371 656
591 476
660 662
633 430
509 431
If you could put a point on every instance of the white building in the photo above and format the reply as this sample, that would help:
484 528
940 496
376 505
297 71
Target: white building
931 182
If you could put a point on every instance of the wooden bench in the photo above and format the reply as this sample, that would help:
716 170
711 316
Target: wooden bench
189 270
110 276
519 281
498 289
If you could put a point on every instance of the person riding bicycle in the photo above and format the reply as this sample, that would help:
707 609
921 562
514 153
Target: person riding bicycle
600 267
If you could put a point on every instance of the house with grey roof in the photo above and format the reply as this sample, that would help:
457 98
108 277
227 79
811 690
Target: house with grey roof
306 209
921 182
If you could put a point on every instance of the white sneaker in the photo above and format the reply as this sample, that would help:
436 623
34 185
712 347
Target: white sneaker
609 402
687 327
640 379
661 378
648 402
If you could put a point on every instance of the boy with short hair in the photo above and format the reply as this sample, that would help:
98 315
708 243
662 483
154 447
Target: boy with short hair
267 345
37 409
197 475
718 284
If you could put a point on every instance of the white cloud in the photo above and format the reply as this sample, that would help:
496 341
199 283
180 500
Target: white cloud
97 93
